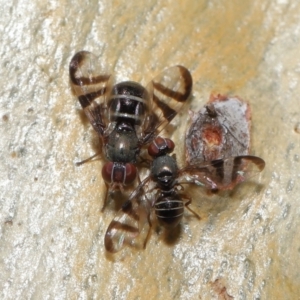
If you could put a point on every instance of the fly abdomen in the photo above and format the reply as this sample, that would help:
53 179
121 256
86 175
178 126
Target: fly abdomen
169 210
128 103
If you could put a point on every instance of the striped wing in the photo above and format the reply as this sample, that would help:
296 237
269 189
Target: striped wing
91 88
168 93
126 227
223 174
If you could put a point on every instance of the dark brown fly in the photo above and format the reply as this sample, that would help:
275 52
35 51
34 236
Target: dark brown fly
161 191
126 116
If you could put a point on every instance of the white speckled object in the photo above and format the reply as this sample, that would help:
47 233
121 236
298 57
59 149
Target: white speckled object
220 129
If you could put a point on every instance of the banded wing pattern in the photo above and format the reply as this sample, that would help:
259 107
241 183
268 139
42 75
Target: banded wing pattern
129 222
169 91
223 174
91 88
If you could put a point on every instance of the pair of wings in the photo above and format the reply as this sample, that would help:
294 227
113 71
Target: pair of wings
92 84
220 174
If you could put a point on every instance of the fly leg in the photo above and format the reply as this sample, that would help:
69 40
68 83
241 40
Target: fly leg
106 196
187 203
87 160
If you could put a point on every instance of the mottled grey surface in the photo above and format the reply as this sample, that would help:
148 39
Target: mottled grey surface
51 226
220 129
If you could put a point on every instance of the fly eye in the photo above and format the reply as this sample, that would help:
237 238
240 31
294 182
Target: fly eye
170 145
119 173
160 146
130 173
153 150
107 171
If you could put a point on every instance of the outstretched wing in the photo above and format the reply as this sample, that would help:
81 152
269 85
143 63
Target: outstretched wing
129 222
91 84
168 92
223 174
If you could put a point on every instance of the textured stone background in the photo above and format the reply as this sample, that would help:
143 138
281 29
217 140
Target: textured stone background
51 225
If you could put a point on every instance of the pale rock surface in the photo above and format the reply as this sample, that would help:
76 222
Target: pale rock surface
51 226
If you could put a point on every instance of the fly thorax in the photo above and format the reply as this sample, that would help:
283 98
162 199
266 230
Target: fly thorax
164 172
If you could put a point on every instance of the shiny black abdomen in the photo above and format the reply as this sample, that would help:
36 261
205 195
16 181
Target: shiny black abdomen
128 103
169 210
